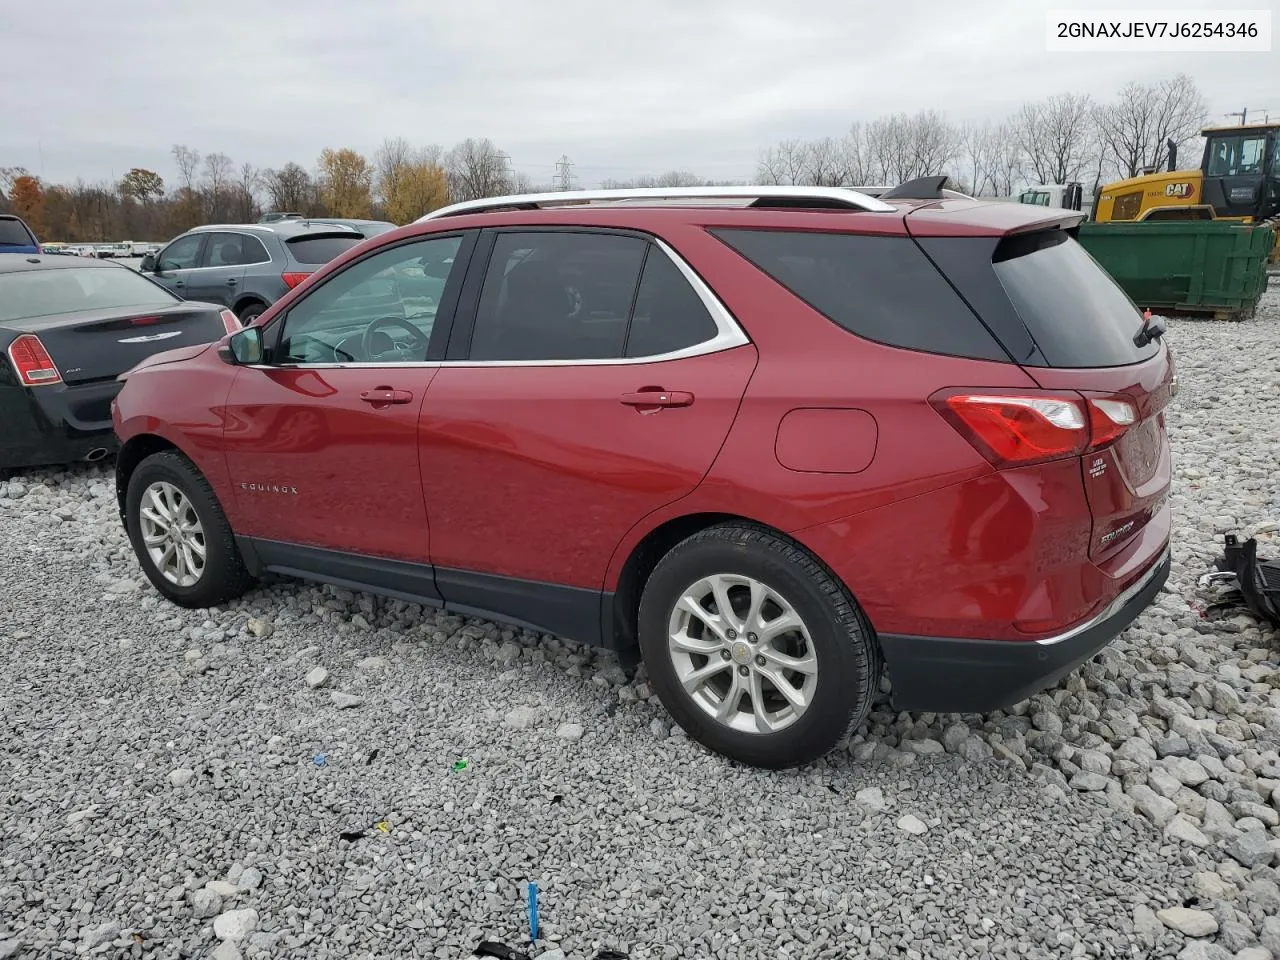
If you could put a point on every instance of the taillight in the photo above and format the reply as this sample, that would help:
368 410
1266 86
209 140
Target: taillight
144 321
1031 427
1017 429
230 322
293 279
1108 419
32 363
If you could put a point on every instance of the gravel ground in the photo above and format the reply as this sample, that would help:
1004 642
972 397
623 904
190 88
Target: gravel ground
277 779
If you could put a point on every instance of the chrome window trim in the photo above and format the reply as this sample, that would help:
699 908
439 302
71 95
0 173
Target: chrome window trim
1115 605
257 263
729 335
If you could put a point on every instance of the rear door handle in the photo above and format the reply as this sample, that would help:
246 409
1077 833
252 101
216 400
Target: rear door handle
657 398
386 395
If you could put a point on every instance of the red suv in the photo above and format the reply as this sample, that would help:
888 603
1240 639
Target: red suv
773 439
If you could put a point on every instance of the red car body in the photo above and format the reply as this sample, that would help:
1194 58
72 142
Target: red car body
540 494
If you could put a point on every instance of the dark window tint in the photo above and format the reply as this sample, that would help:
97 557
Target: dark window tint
183 253
1074 310
881 288
225 250
42 293
254 251
1237 156
14 234
322 249
669 315
557 296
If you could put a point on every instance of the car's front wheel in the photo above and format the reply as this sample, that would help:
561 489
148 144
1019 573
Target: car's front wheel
755 649
180 534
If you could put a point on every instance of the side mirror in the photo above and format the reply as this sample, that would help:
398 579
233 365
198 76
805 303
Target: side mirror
148 264
245 346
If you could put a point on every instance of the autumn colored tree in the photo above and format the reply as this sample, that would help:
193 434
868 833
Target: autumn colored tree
26 197
346 181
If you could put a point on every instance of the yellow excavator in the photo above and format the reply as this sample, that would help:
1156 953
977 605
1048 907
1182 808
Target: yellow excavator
1238 179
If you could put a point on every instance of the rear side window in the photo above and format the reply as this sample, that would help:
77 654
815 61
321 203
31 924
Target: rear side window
669 314
14 234
1077 314
322 249
556 295
880 288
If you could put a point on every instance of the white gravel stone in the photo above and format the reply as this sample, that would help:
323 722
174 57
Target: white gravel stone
909 823
345 701
522 718
235 924
1182 829
250 879
205 903
95 937
227 950
317 677
181 776
1191 923
223 888
872 798
570 731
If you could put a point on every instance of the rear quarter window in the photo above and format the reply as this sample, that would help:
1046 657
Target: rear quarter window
880 288
322 249
1077 314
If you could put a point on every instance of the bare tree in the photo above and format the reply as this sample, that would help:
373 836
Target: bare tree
1058 136
389 163
216 185
291 188
8 175
980 159
476 168
247 188
1135 129
853 147
1009 162
187 162
785 163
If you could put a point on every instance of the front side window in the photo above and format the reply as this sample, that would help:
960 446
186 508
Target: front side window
182 254
558 295
378 310
1236 156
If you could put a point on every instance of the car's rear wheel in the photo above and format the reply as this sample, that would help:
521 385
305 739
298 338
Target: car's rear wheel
755 649
180 534
251 312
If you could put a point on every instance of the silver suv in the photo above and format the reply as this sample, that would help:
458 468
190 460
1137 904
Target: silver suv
247 267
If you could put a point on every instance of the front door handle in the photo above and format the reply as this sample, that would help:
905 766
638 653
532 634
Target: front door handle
379 395
653 397
232 282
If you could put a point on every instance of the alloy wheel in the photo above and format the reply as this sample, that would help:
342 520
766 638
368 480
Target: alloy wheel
172 534
742 653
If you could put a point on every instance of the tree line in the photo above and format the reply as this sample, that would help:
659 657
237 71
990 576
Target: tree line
1063 138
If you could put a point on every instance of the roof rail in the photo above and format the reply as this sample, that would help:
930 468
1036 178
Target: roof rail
824 198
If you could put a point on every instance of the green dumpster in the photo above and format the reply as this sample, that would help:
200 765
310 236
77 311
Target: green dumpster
1216 267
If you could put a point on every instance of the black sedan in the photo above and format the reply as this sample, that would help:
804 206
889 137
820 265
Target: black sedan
68 327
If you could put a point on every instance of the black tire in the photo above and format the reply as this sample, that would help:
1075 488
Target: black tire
251 311
224 576
848 656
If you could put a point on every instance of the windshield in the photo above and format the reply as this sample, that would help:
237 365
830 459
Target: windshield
13 233
43 293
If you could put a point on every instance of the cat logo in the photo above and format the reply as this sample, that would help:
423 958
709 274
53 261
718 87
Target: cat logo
1180 191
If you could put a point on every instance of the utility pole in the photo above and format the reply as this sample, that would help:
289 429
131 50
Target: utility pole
564 176
1242 113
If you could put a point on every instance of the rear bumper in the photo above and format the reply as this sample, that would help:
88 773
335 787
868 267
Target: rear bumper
41 426
943 675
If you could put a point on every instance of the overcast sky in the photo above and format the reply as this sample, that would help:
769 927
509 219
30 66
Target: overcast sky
90 88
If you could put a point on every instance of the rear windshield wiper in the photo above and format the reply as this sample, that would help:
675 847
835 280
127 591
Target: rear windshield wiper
1153 328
